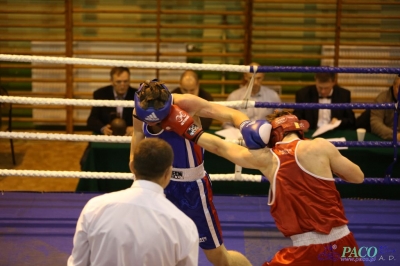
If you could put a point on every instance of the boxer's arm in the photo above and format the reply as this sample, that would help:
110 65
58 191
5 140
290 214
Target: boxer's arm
197 106
340 165
255 134
254 159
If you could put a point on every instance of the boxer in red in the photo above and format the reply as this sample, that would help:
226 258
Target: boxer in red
305 203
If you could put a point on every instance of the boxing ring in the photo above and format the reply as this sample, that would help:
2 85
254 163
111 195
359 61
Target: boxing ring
37 228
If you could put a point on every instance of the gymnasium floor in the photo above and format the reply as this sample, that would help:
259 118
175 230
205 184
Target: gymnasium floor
37 228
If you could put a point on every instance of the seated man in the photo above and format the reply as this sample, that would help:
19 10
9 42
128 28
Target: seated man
189 83
100 118
138 225
382 119
259 93
304 201
325 90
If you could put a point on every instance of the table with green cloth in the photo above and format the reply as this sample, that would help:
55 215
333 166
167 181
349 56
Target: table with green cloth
373 161
105 157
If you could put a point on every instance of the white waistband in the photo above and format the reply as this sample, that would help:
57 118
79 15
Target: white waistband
188 174
313 238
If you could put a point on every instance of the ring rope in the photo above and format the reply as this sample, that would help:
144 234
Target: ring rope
124 63
394 138
130 176
127 139
76 137
66 174
320 69
233 104
326 105
114 175
85 102
192 66
65 137
58 101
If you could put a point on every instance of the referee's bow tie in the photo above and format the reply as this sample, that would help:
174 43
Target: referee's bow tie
327 97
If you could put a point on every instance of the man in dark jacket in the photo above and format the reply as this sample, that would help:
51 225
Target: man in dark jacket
325 90
189 83
99 120
382 120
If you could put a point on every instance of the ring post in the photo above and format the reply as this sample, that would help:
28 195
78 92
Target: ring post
394 141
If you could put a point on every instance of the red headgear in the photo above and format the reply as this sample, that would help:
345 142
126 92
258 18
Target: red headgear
286 123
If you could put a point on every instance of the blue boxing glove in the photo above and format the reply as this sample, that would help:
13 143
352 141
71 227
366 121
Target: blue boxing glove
255 133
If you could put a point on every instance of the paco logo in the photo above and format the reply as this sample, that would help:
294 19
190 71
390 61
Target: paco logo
177 175
361 252
354 254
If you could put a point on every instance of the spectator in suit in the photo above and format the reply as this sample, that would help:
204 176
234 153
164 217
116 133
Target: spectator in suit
189 83
100 117
259 93
382 119
325 90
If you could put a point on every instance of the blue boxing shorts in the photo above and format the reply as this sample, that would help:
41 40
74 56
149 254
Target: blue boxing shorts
195 199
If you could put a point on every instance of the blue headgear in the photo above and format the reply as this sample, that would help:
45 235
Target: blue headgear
152 115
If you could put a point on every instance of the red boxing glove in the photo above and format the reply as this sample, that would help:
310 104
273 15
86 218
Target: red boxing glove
181 123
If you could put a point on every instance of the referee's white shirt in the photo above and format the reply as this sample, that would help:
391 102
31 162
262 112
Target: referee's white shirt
135 226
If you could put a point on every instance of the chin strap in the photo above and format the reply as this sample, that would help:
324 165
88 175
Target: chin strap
138 118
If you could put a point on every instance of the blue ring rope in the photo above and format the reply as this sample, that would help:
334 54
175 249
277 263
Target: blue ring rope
367 180
319 69
326 105
364 144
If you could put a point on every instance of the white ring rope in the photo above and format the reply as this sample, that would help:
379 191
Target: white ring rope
76 137
58 101
113 175
124 63
96 175
82 102
66 174
65 137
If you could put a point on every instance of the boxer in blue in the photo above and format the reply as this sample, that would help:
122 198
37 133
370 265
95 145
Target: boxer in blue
190 187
